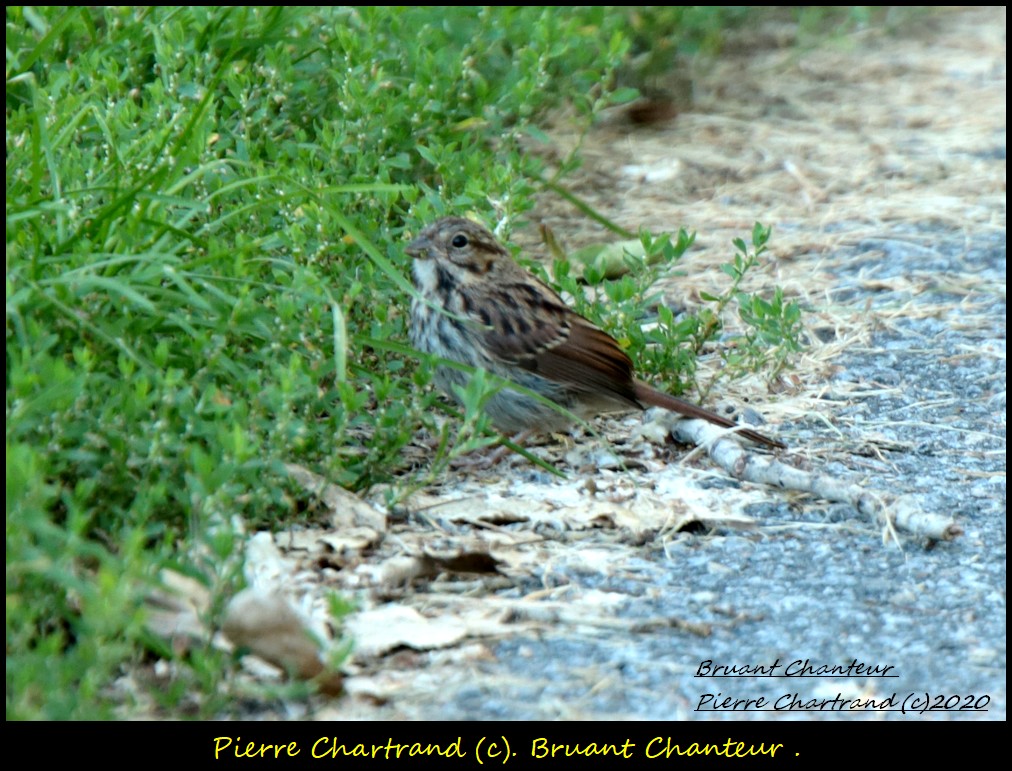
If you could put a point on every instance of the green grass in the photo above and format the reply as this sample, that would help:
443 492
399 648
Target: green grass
206 280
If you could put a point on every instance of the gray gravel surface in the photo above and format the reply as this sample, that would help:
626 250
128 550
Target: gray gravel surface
823 588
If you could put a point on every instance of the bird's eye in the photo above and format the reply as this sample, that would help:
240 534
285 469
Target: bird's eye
459 241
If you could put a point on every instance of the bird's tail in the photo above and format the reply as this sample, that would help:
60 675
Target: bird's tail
654 398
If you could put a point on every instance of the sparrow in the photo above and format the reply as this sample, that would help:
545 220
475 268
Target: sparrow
477 306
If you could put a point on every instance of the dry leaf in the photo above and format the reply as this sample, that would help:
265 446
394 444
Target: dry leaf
266 624
346 509
176 610
379 631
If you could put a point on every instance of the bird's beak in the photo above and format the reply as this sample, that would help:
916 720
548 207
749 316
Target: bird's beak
419 248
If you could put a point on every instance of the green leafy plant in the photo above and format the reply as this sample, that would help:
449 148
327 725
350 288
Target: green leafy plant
629 306
773 327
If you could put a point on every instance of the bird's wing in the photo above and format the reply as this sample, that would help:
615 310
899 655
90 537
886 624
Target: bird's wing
534 329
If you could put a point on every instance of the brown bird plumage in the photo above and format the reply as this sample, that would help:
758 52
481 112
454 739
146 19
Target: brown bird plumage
519 329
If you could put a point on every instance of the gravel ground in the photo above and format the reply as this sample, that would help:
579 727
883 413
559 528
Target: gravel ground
819 585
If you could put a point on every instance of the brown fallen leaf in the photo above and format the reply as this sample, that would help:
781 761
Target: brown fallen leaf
346 508
266 624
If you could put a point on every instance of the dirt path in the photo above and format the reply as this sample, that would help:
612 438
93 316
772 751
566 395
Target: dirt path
880 164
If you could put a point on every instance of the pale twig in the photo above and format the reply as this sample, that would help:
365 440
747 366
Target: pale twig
890 511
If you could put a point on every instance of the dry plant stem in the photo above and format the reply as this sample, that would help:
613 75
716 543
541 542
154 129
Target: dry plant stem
890 511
